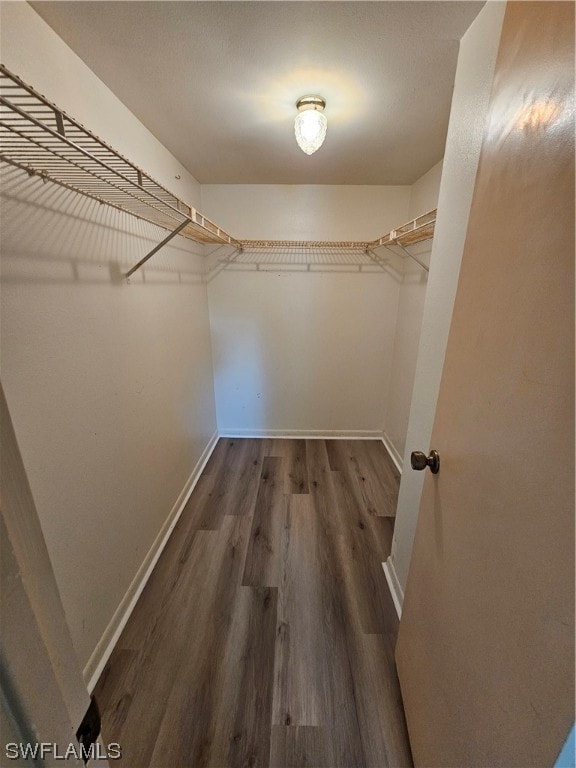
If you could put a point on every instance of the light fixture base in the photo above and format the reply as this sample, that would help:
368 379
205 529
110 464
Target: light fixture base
310 102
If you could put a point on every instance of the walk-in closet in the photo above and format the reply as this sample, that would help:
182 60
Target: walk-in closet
287 383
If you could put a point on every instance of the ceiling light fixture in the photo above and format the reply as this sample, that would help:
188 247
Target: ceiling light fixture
310 124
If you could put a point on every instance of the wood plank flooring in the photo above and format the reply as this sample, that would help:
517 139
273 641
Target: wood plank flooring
265 635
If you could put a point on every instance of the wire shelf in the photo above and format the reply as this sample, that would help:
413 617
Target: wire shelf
342 252
303 252
415 231
40 138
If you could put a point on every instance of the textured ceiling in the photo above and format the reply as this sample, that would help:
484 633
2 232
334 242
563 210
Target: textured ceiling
217 82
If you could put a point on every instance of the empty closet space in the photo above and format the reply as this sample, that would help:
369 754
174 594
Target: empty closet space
266 635
303 342
210 343
119 388
260 263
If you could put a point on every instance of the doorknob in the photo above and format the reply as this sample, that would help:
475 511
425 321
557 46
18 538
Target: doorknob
420 461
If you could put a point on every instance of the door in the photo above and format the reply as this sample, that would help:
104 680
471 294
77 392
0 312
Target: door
486 643
43 697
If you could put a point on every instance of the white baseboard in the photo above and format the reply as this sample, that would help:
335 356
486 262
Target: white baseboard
394 455
394 585
105 646
305 434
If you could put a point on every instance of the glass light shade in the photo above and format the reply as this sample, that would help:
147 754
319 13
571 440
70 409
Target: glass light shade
310 129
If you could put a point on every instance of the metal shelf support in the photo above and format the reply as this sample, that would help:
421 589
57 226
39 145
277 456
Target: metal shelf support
157 248
407 253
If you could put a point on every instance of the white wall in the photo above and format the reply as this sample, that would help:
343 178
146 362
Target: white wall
303 352
476 61
305 212
423 198
109 385
424 192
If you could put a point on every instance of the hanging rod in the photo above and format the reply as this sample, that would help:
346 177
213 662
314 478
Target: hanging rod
45 141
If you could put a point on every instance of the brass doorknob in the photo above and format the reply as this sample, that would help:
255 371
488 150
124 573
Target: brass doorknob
420 461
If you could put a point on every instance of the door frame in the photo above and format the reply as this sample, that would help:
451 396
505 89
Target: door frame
36 647
468 115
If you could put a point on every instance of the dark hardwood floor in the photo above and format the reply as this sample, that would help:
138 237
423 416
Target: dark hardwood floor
265 635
